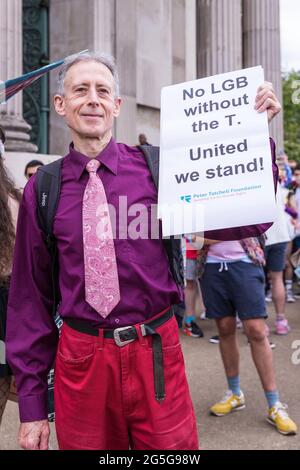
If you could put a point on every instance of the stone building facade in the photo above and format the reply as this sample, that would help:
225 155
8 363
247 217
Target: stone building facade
155 43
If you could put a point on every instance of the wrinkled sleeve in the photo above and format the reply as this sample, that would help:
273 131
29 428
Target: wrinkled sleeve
31 334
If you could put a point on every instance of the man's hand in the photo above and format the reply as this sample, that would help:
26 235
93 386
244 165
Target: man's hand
267 100
34 435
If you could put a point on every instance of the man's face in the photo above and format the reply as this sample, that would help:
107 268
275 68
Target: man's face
31 171
297 177
89 105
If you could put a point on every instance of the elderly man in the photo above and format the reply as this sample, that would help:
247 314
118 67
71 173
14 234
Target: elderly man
113 390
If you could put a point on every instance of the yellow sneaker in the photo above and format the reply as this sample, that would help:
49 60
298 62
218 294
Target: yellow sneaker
229 403
279 418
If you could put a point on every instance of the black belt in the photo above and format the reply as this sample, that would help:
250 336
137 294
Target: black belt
127 334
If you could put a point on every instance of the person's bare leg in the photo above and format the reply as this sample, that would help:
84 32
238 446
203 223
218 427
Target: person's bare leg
190 298
289 270
261 352
228 345
262 356
278 293
289 274
190 326
200 307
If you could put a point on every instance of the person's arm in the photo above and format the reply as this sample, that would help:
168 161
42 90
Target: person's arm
266 100
204 241
195 242
31 336
207 241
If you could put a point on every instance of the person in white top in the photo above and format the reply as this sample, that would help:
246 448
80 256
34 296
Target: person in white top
277 238
297 198
9 205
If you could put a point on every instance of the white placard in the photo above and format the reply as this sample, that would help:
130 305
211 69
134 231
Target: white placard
215 160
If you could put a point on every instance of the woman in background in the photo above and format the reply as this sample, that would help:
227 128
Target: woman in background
9 205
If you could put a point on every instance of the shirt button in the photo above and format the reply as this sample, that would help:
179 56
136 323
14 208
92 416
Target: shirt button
117 320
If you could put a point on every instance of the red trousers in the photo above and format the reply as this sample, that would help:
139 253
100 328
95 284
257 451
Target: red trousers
104 394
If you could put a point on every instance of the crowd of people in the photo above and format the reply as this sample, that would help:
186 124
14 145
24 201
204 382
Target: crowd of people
232 276
280 245
119 371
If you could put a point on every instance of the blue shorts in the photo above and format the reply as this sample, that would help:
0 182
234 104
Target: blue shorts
239 289
296 243
275 257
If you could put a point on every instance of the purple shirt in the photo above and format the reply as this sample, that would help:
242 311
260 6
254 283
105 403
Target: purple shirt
146 284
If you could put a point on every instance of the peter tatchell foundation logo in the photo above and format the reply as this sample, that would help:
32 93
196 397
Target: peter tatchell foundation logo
187 198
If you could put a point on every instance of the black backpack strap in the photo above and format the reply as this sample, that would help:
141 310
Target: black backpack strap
48 182
151 155
172 245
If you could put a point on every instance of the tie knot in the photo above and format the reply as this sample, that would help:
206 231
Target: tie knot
92 166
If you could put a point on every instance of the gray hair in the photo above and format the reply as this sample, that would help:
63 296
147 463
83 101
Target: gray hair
102 58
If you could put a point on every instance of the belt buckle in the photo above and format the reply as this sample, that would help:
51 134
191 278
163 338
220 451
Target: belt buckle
117 338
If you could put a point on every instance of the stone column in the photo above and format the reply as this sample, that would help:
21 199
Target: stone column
76 25
190 40
17 130
219 36
126 58
104 26
178 41
261 33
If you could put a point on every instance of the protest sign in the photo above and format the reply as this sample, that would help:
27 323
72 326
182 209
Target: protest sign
215 161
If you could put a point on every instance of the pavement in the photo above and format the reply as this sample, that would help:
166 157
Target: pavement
244 430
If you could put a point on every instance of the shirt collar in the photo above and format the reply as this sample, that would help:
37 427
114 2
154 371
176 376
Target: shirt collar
108 157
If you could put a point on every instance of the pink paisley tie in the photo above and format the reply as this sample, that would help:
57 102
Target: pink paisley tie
100 267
